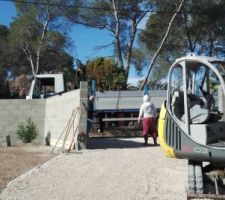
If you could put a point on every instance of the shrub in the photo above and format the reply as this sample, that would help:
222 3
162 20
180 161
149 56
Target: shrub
27 131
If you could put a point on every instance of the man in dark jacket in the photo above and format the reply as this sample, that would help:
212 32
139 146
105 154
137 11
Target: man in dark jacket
90 113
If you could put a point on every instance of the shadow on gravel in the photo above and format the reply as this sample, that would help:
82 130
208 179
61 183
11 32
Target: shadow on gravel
115 143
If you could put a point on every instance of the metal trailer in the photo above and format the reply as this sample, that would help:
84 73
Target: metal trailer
117 111
191 124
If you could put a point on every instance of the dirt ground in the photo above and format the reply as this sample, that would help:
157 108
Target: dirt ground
16 160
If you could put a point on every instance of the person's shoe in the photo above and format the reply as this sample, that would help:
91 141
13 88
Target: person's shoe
155 143
146 140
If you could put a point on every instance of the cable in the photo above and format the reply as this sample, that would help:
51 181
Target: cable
100 8
103 8
85 7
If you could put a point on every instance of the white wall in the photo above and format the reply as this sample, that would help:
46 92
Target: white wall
58 112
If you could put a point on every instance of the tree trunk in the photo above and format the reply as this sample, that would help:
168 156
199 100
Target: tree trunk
38 52
32 64
117 34
211 39
135 21
28 54
191 46
45 26
129 53
130 46
161 45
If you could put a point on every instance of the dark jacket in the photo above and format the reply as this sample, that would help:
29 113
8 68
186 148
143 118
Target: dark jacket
90 109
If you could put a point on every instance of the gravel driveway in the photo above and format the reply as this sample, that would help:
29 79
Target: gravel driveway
111 169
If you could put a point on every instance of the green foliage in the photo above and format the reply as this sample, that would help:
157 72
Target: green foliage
27 131
107 74
156 27
120 18
38 40
4 32
24 51
24 38
199 28
80 74
139 60
4 86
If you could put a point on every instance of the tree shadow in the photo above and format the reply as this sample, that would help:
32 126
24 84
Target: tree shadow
117 143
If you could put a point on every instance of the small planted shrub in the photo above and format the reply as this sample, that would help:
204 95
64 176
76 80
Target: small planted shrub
27 131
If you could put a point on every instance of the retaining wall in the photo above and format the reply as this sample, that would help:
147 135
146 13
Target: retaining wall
12 112
50 115
58 111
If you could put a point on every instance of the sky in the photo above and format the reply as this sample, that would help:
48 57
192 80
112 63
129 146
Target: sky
86 40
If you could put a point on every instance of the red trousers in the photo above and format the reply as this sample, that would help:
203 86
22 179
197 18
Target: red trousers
149 128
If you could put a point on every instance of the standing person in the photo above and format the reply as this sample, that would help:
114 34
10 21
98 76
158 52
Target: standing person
90 113
148 112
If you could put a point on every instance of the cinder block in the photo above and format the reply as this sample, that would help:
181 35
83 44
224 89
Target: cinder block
3 144
83 85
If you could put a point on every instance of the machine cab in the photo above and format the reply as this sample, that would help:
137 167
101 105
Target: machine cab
193 98
191 123
46 85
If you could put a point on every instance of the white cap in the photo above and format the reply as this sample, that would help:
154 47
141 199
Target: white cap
145 98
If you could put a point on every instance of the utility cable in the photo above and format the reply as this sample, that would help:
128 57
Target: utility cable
88 7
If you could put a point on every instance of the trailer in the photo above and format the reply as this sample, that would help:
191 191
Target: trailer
117 111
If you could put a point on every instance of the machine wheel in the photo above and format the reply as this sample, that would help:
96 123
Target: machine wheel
195 177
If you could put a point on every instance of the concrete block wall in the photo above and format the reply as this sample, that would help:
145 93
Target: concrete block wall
58 112
50 115
13 112
83 115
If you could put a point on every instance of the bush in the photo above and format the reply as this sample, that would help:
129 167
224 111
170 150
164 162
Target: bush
27 131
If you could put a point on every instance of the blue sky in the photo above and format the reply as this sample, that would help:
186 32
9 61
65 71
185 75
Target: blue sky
85 39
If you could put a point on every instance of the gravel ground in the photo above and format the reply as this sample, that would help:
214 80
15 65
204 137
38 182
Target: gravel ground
112 168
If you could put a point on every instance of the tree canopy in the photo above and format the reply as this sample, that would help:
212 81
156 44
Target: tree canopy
197 28
120 17
37 39
106 73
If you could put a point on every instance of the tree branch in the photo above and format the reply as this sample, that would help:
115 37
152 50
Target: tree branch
97 48
45 26
161 45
